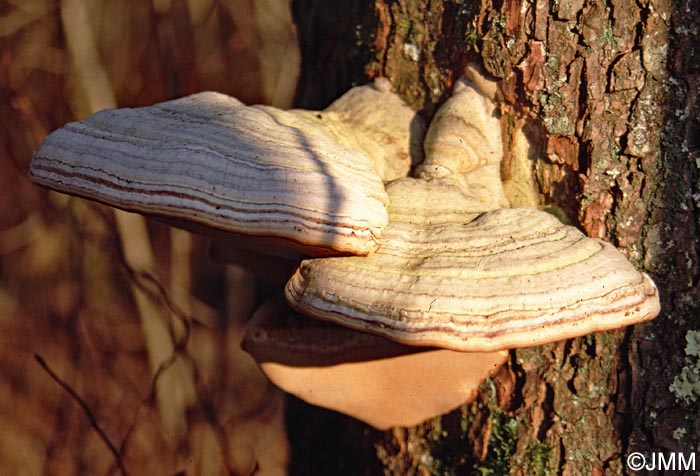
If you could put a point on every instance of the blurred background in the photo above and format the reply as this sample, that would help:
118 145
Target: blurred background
119 337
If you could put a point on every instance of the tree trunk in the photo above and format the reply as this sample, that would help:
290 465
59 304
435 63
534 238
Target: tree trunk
607 93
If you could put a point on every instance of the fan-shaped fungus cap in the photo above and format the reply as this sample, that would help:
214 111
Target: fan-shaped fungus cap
371 119
379 116
375 380
212 164
510 278
464 142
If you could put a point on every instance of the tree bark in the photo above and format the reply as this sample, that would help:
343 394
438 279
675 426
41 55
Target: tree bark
607 93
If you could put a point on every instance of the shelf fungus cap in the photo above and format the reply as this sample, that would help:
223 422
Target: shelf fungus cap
464 142
380 382
209 163
371 119
513 277
379 116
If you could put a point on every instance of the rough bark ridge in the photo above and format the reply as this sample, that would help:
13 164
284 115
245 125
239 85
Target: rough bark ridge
608 95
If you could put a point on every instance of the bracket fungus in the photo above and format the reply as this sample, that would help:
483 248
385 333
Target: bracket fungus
375 121
463 142
300 182
458 270
446 277
378 381
513 277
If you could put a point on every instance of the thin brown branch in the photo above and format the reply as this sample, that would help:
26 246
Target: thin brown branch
147 403
86 409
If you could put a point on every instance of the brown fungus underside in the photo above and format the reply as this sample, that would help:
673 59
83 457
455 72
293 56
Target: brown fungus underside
378 381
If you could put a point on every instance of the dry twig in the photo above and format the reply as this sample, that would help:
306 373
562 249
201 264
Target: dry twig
88 412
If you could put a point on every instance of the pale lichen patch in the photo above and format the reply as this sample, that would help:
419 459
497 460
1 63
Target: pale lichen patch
686 385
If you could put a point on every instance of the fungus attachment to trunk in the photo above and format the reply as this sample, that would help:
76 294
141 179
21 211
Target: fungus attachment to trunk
378 381
512 277
464 143
281 182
